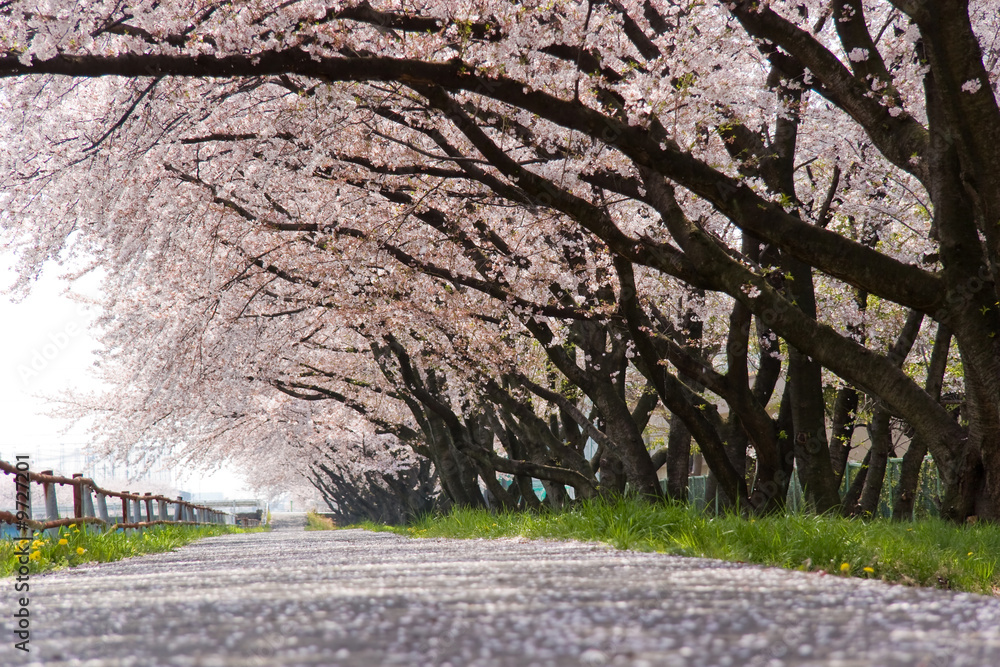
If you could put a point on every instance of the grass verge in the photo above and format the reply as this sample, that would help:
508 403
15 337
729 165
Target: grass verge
316 522
74 546
926 553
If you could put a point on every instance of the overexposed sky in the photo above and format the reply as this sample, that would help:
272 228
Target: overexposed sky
46 349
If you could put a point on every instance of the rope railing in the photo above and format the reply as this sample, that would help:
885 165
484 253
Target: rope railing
90 504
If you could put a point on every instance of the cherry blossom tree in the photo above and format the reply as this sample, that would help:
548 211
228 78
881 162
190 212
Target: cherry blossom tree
820 179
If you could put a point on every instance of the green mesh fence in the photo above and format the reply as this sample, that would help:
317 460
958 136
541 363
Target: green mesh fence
928 489
927 503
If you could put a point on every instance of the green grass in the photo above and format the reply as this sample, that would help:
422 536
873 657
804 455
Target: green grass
316 522
925 553
73 546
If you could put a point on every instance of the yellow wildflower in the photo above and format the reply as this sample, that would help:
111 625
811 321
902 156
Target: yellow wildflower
72 525
80 551
36 544
870 570
63 542
34 555
845 567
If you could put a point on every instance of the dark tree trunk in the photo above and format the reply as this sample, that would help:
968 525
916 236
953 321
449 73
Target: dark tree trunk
613 479
528 495
555 494
442 453
786 448
913 459
905 495
853 495
844 419
812 452
676 397
678 459
881 439
880 427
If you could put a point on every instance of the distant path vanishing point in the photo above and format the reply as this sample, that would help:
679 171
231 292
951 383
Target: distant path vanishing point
350 597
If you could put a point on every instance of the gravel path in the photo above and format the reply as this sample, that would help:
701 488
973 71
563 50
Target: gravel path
291 597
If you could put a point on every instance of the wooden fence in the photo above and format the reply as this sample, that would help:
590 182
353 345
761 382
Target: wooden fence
90 504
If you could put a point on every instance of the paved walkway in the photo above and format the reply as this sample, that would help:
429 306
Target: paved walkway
291 597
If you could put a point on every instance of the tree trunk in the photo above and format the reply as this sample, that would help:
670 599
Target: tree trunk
528 496
983 413
613 479
905 496
678 459
555 494
630 447
853 495
736 451
913 459
812 452
444 460
881 438
844 409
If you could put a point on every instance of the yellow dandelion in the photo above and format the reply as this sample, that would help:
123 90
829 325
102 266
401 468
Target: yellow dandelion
63 542
870 570
36 544
72 525
845 567
34 555
80 551
969 554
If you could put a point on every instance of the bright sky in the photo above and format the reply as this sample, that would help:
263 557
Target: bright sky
47 349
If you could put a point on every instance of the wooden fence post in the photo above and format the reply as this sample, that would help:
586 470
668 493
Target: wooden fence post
78 497
125 518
